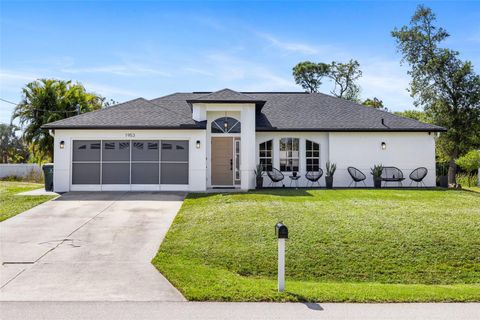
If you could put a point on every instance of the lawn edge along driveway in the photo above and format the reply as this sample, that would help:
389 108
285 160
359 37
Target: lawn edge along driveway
12 204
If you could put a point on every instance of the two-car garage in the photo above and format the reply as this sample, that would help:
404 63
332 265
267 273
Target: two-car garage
127 163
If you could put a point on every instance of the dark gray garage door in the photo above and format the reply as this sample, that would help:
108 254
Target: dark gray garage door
130 162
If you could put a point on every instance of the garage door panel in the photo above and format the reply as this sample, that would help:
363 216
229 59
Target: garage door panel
86 173
124 162
86 150
116 150
174 173
145 173
115 173
174 150
146 150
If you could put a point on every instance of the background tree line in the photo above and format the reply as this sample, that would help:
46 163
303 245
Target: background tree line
43 101
445 88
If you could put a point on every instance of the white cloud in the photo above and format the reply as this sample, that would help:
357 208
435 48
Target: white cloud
388 81
118 70
245 75
109 91
289 46
192 70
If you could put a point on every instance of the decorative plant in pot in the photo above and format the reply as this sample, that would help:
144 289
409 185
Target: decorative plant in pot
376 172
259 176
331 167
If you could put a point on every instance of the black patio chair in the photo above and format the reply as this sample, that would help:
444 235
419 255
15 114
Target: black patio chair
392 174
276 176
418 175
314 177
357 176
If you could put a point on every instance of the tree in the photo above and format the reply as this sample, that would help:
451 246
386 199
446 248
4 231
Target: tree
48 100
446 87
12 149
374 103
309 75
344 76
414 114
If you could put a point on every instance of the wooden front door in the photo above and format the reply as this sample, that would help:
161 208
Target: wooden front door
222 161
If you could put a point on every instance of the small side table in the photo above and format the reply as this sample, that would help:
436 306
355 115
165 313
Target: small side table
294 178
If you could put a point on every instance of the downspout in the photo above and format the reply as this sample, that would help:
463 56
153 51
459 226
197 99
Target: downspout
51 132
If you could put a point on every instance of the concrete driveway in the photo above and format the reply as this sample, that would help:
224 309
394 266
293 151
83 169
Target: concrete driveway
88 246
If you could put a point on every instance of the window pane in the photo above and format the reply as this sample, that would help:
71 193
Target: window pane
225 125
115 173
294 165
84 150
174 173
116 151
175 150
145 173
295 143
85 173
145 151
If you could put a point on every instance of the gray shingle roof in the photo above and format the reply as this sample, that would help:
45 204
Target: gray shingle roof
224 95
282 111
135 114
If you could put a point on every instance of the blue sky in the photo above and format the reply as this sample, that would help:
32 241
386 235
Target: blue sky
123 50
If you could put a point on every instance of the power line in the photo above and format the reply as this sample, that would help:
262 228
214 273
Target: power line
8 101
44 110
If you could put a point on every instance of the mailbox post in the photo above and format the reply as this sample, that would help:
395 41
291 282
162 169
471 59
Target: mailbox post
281 231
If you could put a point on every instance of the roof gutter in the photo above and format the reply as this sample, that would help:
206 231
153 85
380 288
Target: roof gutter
350 130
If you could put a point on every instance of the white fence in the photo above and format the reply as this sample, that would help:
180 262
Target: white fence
19 169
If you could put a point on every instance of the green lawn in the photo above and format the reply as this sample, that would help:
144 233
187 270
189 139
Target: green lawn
11 205
345 245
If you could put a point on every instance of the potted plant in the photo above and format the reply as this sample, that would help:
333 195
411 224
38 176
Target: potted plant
442 176
259 176
376 172
331 167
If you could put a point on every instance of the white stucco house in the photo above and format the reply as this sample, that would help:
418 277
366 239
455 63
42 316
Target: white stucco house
202 140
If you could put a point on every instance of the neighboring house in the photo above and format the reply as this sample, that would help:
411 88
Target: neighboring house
201 140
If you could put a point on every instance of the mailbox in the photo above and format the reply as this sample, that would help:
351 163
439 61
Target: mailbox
281 231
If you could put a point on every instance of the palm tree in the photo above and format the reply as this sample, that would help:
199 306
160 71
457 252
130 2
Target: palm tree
47 100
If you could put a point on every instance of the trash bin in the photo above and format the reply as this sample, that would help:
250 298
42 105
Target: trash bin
48 175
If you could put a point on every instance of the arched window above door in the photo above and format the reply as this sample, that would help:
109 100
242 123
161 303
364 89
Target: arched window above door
226 125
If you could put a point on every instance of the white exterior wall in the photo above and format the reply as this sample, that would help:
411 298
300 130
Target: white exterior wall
362 150
405 150
62 157
245 113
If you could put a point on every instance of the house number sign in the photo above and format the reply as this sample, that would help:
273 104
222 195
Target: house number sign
130 135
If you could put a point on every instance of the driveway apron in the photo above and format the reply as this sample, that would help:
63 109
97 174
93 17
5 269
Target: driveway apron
88 246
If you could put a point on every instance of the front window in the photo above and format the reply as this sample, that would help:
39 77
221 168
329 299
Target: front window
265 155
289 154
226 125
312 156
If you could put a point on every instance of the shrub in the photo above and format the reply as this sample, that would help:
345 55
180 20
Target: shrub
465 179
